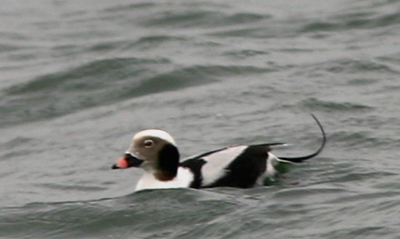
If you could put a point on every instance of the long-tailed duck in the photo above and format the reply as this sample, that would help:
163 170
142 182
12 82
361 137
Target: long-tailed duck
242 166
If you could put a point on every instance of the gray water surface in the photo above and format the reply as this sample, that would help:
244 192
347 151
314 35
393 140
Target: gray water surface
79 78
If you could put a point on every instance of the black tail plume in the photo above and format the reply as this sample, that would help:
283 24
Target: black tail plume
301 159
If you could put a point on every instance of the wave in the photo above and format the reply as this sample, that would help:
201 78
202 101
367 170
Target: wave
104 82
270 26
143 213
187 213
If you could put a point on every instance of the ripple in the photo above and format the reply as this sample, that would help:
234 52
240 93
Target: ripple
355 66
362 81
255 32
245 53
129 7
350 21
8 47
149 42
63 187
315 104
201 18
17 142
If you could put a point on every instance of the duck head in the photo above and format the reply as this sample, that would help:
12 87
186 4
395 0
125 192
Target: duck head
154 151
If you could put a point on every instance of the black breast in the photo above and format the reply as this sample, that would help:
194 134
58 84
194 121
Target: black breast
195 165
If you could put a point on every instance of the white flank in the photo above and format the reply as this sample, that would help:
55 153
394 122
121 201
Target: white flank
271 163
182 180
217 162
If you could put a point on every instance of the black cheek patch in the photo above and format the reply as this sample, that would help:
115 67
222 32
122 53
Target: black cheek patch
168 161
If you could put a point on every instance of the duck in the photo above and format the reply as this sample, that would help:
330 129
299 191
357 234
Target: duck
241 166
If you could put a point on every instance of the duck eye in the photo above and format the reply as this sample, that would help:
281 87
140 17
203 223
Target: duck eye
148 143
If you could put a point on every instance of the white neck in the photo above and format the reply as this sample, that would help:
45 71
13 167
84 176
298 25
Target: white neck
182 180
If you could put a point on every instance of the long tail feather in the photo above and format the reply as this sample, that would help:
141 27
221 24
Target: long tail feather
302 158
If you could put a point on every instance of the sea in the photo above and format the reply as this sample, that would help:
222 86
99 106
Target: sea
79 78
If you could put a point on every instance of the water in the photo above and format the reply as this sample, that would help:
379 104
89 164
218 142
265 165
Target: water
79 78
